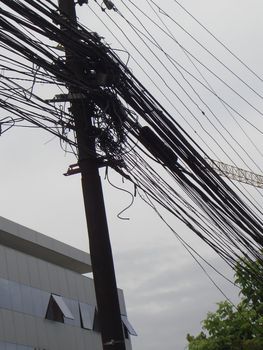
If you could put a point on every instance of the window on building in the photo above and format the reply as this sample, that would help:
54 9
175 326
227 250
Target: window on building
13 346
128 329
96 326
57 309
87 315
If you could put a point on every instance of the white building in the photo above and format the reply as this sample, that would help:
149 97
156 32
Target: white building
45 301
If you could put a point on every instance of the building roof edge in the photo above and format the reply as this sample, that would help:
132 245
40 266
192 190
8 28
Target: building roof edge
36 244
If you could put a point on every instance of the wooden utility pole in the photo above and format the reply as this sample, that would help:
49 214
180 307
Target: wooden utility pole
99 241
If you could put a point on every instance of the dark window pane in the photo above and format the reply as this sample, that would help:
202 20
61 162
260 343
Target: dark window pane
74 308
45 296
2 346
128 326
63 307
126 333
24 347
38 308
57 309
5 299
87 313
53 311
26 297
10 346
96 326
16 299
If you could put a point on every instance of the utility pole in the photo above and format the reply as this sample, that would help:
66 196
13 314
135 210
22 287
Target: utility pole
100 248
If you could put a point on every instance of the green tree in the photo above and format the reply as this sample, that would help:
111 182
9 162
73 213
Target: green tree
236 328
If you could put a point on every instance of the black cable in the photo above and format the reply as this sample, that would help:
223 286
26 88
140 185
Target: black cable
219 41
213 211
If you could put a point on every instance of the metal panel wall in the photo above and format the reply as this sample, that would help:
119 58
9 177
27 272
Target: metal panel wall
26 283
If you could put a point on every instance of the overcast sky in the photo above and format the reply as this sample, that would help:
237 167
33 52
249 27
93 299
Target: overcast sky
167 294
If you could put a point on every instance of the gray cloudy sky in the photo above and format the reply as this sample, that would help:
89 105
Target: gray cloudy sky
167 294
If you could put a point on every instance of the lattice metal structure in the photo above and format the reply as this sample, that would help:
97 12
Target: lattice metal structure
236 174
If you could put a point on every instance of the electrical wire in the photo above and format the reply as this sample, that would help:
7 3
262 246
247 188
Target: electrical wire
184 184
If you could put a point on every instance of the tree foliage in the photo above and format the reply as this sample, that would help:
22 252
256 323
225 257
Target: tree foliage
240 327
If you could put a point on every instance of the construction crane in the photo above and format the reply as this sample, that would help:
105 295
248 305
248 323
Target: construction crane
237 174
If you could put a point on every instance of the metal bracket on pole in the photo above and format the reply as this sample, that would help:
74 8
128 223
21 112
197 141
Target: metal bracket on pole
75 168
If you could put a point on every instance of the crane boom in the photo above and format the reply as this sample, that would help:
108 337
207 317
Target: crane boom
236 174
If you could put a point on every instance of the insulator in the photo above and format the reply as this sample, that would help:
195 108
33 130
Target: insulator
157 147
82 2
109 4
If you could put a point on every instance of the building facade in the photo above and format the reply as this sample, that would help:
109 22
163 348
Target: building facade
45 301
